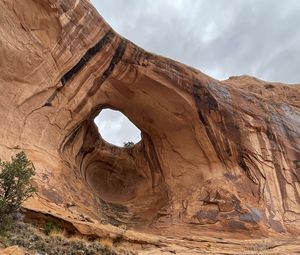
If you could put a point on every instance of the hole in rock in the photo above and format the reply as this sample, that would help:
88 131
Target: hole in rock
115 128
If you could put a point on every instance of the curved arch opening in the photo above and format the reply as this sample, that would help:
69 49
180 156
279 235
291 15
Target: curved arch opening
116 129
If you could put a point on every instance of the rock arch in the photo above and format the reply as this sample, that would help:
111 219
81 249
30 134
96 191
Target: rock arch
223 156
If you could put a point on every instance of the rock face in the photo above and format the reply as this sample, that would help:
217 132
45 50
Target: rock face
218 157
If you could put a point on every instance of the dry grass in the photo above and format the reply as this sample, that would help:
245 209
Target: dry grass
107 243
57 243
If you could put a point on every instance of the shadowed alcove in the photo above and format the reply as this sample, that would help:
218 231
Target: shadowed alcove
124 178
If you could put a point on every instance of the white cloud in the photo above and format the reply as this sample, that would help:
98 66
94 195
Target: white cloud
231 36
116 128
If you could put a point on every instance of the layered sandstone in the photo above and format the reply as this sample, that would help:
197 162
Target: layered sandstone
216 157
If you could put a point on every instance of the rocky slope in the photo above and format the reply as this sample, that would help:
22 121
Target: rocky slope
217 158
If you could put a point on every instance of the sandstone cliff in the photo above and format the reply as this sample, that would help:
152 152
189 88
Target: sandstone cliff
216 157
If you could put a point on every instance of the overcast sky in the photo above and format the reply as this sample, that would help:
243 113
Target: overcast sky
116 128
222 38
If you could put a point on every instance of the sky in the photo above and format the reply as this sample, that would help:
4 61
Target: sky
222 38
116 128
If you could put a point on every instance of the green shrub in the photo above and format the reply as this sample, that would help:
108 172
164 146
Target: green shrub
52 227
128 144
15 187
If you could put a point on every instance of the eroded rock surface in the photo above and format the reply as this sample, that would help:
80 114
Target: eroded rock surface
220 157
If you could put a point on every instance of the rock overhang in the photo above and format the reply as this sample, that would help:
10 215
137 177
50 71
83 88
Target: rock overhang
217 154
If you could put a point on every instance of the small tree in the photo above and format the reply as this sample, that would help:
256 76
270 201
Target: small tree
128 144
15 187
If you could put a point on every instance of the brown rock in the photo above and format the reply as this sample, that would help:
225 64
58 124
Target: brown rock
13 250
225 152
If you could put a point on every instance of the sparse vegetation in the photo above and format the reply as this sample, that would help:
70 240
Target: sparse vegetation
15 187
52 227
36 242
128 144
47 237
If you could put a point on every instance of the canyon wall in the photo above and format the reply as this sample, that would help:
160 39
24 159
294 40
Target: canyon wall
215 156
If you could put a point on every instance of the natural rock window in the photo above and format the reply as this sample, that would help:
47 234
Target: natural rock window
115 128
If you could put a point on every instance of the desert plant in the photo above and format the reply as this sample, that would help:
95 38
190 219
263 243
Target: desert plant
128 144
15 187
52 227
36 242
